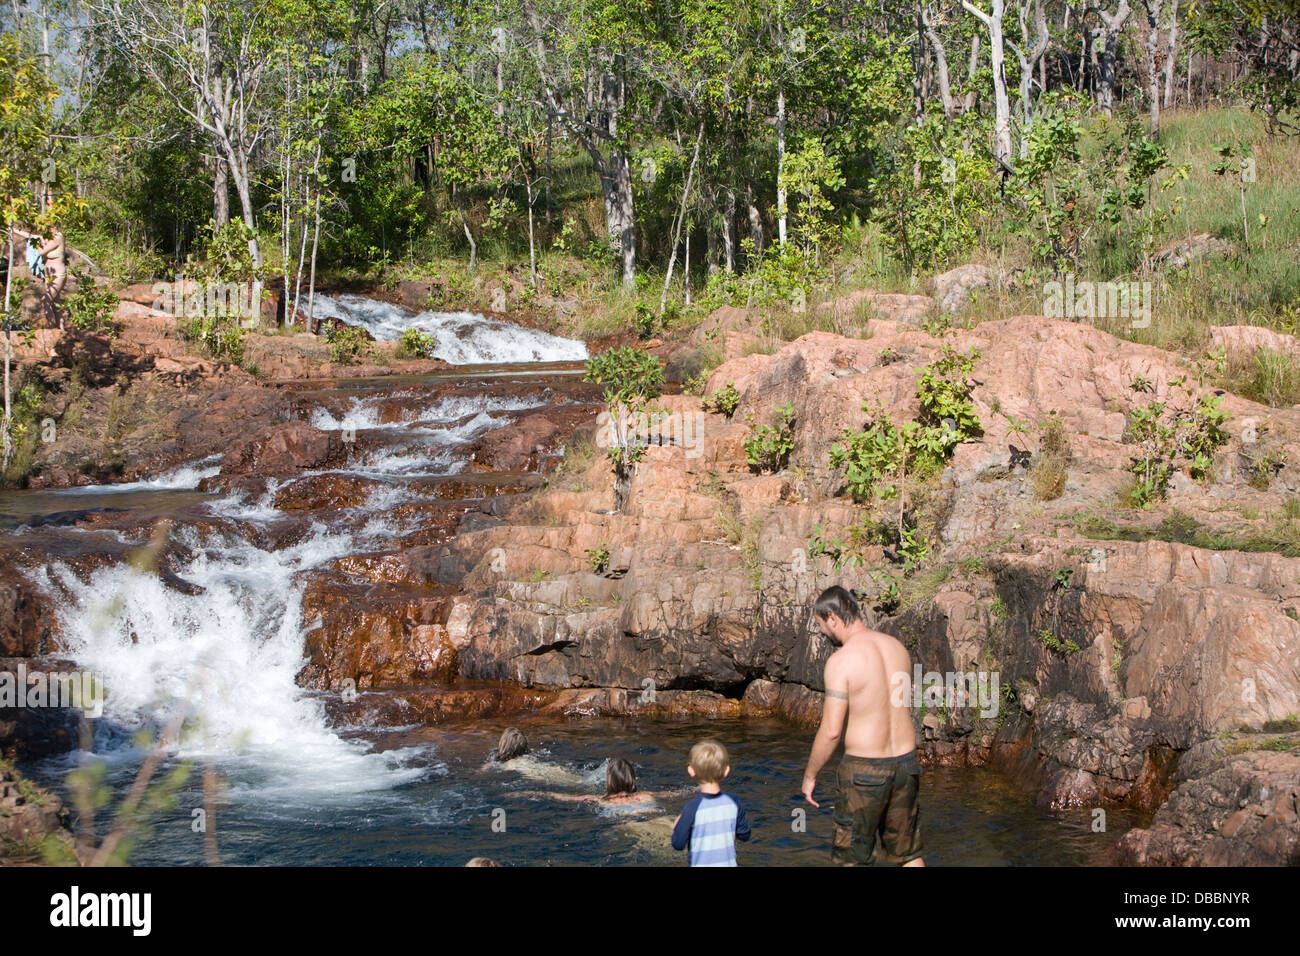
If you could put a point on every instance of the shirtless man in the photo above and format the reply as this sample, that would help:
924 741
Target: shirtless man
879 776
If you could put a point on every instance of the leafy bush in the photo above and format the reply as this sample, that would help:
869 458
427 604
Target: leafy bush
768 446
92 307
724 400
221 337
416 344
346 342
1166 434
598 558
882 450
629 375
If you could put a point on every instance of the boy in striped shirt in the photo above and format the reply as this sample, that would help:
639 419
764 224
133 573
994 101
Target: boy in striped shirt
711 823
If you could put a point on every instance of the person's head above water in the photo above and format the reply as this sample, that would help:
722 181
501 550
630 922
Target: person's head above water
512 744
620 777
836 611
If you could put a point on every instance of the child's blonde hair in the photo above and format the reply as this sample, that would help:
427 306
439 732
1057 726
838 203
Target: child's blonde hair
709 761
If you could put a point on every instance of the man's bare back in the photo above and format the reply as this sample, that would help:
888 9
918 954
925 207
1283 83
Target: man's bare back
867 668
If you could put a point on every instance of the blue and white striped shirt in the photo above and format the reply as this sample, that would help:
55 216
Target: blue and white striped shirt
711 824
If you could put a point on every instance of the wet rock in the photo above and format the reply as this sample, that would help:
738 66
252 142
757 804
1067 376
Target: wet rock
30 818
284 449
1245 811
373 635
25 628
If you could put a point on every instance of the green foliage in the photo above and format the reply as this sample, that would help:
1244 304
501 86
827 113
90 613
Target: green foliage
882 452
1166 434
227 256
415 343
932 193
999 608
346 342
219 336
768 446
91 307
1050 641
631 377
598 558
724 400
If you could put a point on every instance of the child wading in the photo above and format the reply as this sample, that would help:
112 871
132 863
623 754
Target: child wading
712 822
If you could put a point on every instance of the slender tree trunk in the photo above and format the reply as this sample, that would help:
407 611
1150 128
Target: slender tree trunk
221 193
940 62
780 165
532 248
972 67
681 216
728 223
1153 8
1171 56
9 277
755 221
1109 34
997 59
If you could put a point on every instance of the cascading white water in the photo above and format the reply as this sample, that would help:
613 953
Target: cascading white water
464 338
230 654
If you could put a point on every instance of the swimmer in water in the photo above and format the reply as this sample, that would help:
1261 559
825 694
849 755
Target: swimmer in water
620 789
512 753
512 744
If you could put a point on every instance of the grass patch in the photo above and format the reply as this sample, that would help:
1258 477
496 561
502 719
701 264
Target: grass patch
1281 535
1268 377
570 472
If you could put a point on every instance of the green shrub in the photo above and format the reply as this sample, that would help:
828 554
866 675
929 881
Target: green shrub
221 337
92 307
724 400
768 446
346 342
416 344
629 375
598 558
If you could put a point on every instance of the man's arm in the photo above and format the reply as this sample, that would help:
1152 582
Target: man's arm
835 708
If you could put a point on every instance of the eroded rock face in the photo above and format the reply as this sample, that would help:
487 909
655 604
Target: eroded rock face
1183 252
953 289
24 624
1113 657
1242 810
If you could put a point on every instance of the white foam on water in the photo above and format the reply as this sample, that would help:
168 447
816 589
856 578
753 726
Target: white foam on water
230 655
182 478
363 413
239 507
464 338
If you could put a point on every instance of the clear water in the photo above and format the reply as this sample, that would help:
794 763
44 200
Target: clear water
445 813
